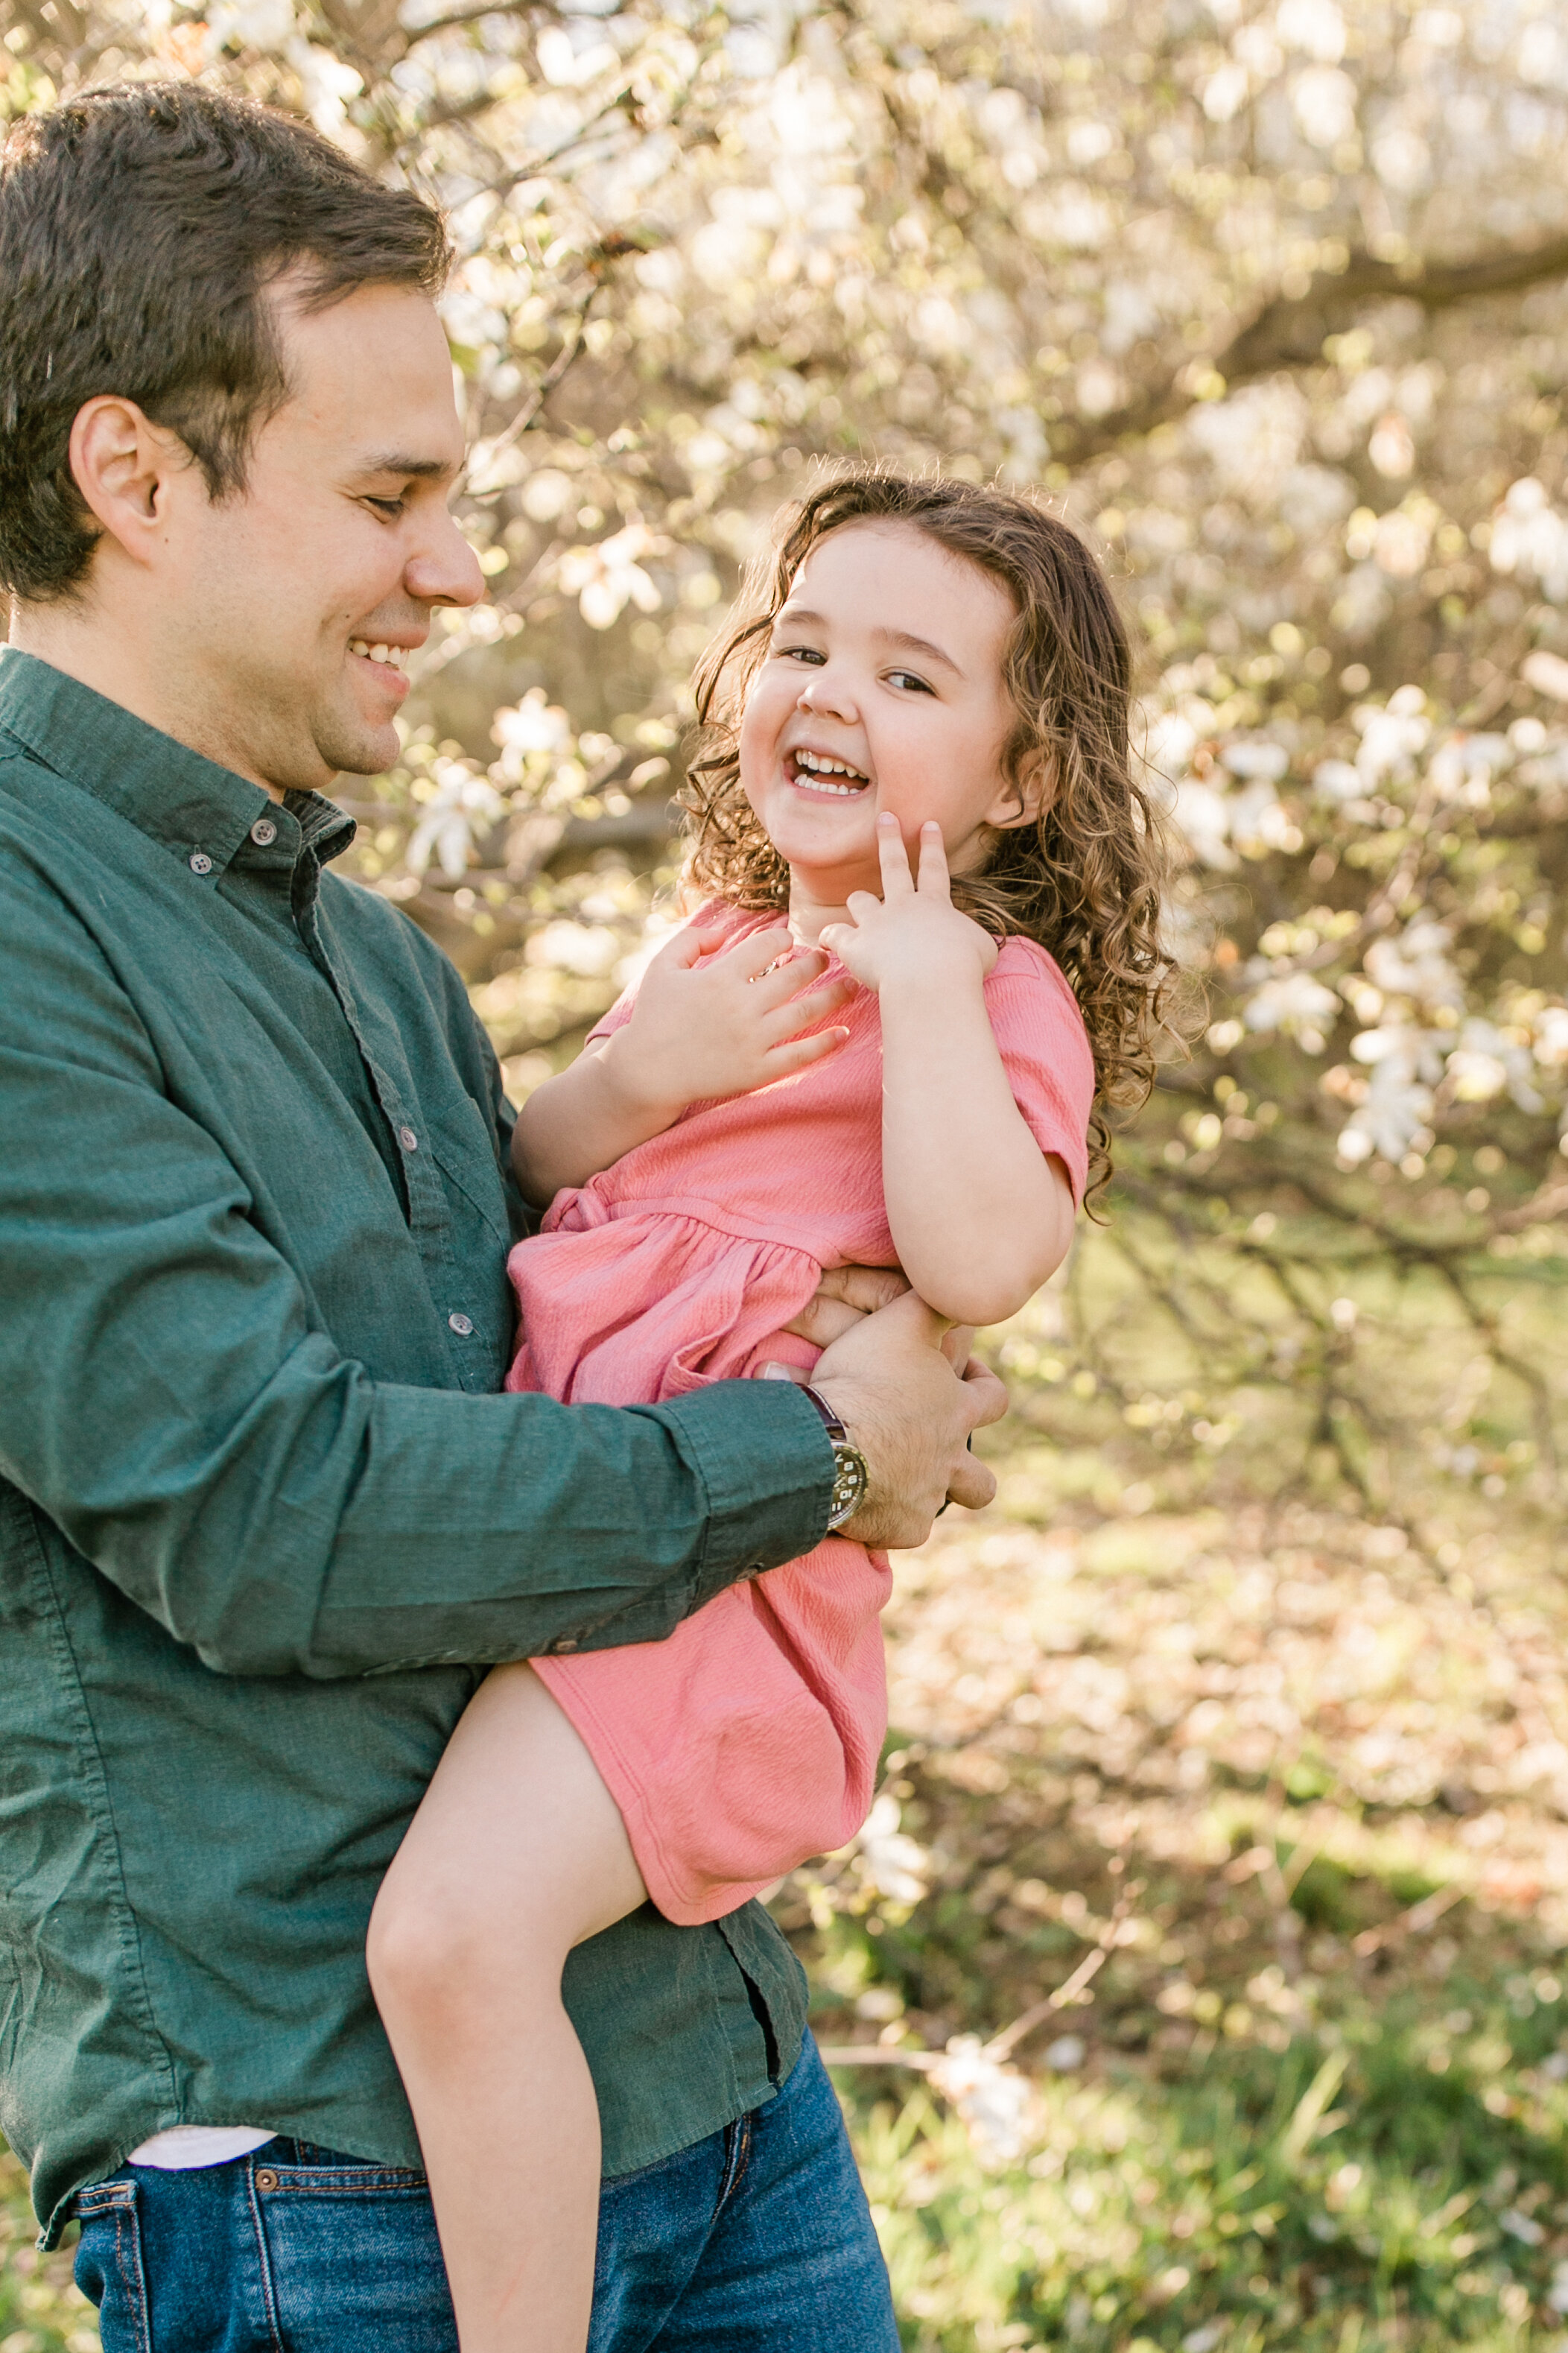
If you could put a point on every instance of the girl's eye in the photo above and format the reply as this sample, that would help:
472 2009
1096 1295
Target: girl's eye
907 677
801 653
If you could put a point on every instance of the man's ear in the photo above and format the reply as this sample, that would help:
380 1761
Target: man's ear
1024 797
125 465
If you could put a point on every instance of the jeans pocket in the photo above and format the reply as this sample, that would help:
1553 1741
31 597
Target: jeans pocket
109 2271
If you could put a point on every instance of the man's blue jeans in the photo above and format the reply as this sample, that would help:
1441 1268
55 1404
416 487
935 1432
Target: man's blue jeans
759 2236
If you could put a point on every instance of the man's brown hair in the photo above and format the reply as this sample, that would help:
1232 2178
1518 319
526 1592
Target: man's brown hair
1085 877
141 227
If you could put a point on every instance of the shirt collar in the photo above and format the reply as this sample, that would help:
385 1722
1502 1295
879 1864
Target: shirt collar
175 795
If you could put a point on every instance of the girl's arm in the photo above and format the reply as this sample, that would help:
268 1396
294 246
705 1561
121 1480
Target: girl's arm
698 1032
980 1216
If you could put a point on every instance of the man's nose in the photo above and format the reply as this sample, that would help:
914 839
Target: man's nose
445 570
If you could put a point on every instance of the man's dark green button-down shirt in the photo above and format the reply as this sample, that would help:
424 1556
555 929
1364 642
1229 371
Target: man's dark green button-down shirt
263 1516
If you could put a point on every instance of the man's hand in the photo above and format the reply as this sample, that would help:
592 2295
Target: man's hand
709 1026
844 1298
910 1415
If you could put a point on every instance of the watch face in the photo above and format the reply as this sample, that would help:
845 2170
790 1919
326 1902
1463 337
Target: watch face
850 1480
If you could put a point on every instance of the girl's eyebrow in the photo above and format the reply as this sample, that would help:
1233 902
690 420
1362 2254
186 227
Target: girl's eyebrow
798 616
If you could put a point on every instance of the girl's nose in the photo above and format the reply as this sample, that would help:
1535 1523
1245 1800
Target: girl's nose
825 692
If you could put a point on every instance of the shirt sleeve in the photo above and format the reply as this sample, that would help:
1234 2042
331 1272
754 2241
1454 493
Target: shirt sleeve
166 1401
1046 1052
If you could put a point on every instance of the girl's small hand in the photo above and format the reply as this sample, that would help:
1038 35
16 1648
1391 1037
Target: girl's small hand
913 932
704 1030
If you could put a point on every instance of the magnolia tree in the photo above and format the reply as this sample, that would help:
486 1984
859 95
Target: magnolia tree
1272 299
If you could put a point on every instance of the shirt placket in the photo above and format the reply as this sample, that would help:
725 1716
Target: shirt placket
425 1197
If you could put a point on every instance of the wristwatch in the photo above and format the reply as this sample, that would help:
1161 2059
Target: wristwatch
850 1476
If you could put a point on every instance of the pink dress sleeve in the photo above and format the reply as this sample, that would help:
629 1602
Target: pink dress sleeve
1046 1052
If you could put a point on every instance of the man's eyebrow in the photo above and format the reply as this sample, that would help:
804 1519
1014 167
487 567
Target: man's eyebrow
798 614
421 470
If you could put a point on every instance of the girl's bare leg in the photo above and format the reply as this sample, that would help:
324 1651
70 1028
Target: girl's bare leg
516 1855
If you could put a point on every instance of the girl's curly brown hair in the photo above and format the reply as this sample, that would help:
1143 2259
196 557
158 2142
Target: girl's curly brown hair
1086 879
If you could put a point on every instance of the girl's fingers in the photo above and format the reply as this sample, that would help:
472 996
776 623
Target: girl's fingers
801 1052
776 986
862 905
688 946
751 958
897 880
934 877
801 1012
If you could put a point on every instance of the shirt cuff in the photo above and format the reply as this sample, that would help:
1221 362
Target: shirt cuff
766 1466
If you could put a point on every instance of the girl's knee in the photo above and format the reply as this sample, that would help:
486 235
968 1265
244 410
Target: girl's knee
435 1949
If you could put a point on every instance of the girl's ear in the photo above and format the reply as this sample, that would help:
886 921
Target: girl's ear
1023 797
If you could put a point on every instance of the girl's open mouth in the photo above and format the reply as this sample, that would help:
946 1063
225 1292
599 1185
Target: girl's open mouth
815 773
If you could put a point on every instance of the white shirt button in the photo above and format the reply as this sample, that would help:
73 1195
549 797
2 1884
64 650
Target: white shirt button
461 1325
264 833
409 1141
200 862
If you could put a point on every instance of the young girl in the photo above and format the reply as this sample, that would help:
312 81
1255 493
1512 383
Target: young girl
837 1062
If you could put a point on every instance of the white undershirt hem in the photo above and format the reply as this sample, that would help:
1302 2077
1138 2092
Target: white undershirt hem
185 2148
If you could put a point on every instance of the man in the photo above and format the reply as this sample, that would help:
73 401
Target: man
263 1517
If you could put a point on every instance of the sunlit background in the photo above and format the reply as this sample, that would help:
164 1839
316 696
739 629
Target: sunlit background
1199 1980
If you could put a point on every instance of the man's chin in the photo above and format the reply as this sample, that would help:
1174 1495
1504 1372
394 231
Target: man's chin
355 748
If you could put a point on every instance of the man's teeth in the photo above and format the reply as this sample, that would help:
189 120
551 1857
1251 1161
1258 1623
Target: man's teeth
819 767
391 655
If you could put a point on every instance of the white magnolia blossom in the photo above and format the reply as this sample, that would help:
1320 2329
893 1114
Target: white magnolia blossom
1391 738
265 25
1297 1003
895 1863
463 803
1417 965
1203 819
584 949
608 575
529 727
1462 768
996 2103
1324 101
1406 1064
1487 1063
1336 780
327 84
1530 537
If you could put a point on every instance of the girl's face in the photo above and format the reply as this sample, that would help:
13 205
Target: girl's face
881 689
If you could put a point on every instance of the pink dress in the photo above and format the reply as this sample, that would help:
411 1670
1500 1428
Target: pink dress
749 1739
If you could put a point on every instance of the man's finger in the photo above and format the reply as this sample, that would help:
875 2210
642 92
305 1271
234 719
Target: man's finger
866 1288
973 1485
934 877
987 1395
898 882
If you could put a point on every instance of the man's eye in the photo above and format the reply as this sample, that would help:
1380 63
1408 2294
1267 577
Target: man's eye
390 507
908 677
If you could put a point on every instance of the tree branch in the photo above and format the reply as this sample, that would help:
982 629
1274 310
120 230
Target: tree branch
1290 331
